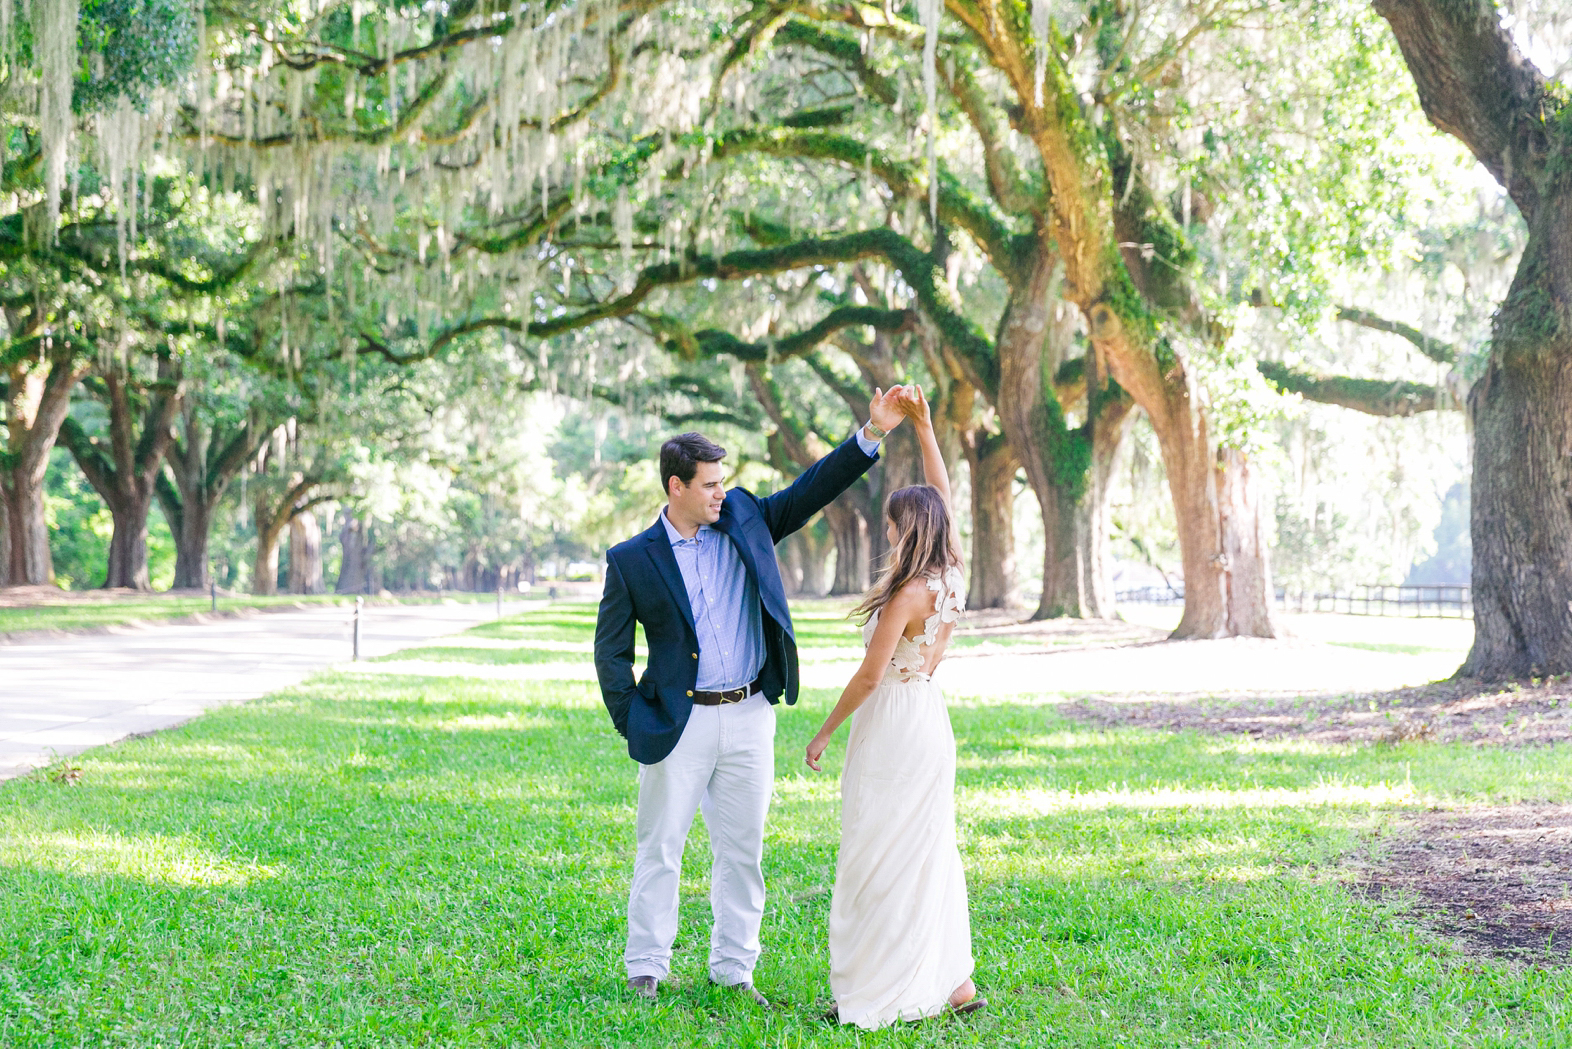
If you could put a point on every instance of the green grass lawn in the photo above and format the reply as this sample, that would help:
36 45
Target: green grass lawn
377 860
86 615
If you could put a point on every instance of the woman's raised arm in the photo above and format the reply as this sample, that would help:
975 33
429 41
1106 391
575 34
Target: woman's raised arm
914 405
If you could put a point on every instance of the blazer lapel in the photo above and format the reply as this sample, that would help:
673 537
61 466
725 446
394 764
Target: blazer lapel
735 531
731 528
659 549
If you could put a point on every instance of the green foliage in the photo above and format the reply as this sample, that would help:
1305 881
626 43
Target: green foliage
1313 159
131 48
1321 554
79 525
160 552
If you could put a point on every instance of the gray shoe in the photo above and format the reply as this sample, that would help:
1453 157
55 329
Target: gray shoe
752 993
644 987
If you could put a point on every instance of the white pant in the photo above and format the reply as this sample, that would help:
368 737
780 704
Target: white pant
724 762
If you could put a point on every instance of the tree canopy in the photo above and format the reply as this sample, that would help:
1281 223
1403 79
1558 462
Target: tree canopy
311 247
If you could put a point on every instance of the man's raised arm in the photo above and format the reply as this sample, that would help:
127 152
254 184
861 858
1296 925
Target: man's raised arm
818 485
614 648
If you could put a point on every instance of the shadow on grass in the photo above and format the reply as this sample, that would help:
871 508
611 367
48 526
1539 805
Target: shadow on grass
445 861
1533 713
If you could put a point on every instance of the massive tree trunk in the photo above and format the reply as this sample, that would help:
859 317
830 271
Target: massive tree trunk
1475 84
305 554
993 464
815 542
1219 514
1125 266
191 524
272 520
1221 520
203 463
38 400
1110 413
270 526
124 469
1218 510
24 536
353 574
1522 513
1033 421
853 552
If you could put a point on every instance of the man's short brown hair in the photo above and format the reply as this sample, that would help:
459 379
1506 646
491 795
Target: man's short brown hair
681 455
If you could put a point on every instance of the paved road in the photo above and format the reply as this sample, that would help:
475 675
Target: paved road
60 697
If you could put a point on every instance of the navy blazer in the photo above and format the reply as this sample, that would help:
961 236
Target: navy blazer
644 585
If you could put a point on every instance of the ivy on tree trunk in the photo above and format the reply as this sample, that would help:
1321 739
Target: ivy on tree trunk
1476 85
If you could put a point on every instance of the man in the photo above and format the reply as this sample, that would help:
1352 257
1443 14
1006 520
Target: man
704 583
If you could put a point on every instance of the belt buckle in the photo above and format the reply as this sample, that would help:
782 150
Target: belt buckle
742 694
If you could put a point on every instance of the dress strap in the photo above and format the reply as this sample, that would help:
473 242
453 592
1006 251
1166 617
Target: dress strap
948 603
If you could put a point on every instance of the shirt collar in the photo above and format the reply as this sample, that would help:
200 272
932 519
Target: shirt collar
676 536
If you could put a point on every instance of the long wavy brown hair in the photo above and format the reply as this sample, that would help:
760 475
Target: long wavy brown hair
924 544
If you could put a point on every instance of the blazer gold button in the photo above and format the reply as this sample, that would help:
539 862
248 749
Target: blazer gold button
690 691
695 655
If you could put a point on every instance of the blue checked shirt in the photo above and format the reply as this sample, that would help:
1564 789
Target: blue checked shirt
725 603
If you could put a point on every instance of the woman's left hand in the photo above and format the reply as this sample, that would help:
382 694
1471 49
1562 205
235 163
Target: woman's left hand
816 748
914 406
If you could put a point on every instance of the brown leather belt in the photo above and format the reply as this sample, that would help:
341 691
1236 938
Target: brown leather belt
720 699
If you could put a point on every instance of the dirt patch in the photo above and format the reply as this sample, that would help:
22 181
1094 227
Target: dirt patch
986 630
1497 880
1447 711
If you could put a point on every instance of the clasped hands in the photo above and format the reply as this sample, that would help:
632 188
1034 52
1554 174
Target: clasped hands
889 407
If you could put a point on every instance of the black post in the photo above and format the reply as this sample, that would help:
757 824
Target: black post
212 591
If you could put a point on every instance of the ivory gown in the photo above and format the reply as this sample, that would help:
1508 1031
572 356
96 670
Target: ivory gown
900 936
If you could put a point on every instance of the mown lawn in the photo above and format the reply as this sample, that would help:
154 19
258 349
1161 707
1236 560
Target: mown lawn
397 860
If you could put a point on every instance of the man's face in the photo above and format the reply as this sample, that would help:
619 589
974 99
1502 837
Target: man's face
699 501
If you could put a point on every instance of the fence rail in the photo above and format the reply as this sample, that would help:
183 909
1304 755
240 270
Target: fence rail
1428 601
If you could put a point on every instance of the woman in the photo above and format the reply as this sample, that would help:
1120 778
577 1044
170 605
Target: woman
900 938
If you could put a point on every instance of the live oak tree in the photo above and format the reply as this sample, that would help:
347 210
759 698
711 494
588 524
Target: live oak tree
446 175
1476 84
69 67
1399 397
1078 225
230 408
123 465
181 275
1059 203
40 371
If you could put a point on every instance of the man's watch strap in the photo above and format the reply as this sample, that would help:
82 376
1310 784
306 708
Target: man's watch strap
875 431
